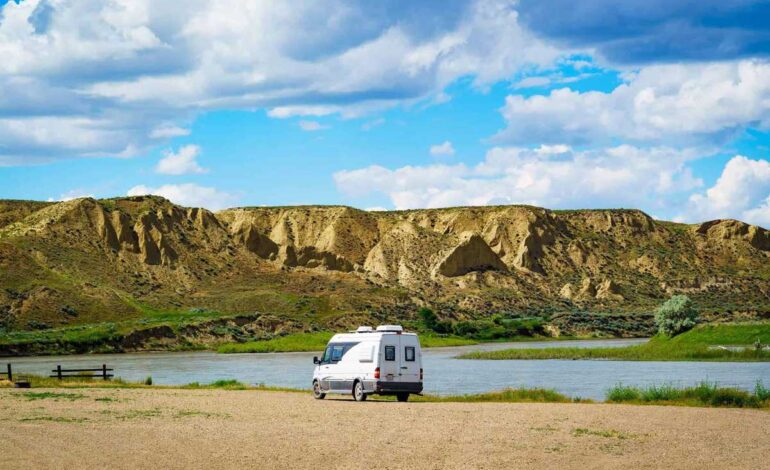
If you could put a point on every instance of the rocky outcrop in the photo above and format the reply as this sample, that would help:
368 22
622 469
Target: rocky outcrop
471 254
717 230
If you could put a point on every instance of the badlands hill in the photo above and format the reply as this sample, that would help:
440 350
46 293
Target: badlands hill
86 261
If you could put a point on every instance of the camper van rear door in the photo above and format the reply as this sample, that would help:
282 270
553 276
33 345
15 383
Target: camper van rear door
389 359
410 362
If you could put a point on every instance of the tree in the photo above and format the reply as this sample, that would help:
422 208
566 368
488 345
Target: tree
676 315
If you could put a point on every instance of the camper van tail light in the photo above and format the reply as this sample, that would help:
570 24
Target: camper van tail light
420 373
377 373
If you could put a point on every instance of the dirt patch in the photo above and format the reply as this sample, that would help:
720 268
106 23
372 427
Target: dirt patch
226 429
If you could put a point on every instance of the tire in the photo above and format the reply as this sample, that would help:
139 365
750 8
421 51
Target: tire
318 394
358 391
402 396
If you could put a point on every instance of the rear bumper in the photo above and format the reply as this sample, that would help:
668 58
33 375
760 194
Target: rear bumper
397 387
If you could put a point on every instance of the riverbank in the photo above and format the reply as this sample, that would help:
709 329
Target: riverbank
164 428
705 394
710 342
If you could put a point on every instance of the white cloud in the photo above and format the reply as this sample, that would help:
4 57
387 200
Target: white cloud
741 192
180 163
679 103
311 126
376 209
188 194
556 177
98 77
443 149
164 131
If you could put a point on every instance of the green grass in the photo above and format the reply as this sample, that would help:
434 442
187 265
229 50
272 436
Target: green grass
703 394
693 345
309 342
295 342
52 396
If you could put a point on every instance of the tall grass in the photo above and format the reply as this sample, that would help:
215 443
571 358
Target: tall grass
703 394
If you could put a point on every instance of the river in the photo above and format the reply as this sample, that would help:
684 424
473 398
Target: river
444 375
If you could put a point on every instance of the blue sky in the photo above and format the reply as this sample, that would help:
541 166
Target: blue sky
391 105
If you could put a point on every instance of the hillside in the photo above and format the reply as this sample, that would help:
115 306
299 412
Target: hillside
129 259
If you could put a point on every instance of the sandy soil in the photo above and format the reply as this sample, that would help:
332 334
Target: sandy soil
126 428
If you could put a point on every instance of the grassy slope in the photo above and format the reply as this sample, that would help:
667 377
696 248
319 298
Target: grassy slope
690 346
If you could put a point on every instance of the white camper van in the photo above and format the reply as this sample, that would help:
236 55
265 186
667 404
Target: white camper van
385 361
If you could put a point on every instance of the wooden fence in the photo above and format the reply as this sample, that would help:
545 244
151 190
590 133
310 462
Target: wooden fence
103 372
8 373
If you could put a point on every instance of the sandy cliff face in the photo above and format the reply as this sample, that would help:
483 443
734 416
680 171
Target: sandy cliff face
116 254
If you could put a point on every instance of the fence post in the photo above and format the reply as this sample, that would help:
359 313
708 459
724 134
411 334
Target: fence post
58 372
10 373
104 371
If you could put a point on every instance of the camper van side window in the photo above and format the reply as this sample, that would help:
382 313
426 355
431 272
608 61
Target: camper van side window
327 355
409 353
337 352
390 353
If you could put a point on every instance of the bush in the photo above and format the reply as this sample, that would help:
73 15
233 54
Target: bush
443 327
429 319
465 328
676 316
148 380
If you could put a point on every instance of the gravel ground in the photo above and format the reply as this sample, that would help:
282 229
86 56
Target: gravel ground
140 428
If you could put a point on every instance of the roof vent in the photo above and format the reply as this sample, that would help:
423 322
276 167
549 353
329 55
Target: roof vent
396 328
364 329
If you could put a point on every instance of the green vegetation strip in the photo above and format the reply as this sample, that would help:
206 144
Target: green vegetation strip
699 344
309 342
704 394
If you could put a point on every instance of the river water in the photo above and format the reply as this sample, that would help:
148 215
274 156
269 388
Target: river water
444 375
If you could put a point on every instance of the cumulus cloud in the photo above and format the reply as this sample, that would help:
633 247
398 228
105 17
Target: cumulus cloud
444 149
88 77
741 192
555 176
680 104
641 31
182 162
188 194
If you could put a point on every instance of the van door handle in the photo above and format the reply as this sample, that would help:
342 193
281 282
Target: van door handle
404 367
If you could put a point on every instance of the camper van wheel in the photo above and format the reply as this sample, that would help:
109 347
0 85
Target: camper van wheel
402 396
358 391
317 393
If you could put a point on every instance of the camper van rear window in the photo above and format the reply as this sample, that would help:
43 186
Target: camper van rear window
390 353
409 353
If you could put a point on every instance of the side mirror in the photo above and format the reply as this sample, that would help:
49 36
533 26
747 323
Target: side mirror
315 360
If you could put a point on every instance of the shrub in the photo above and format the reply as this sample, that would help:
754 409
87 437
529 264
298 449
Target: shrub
443 327
465 328
676 316
148 380
429 319
761 392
